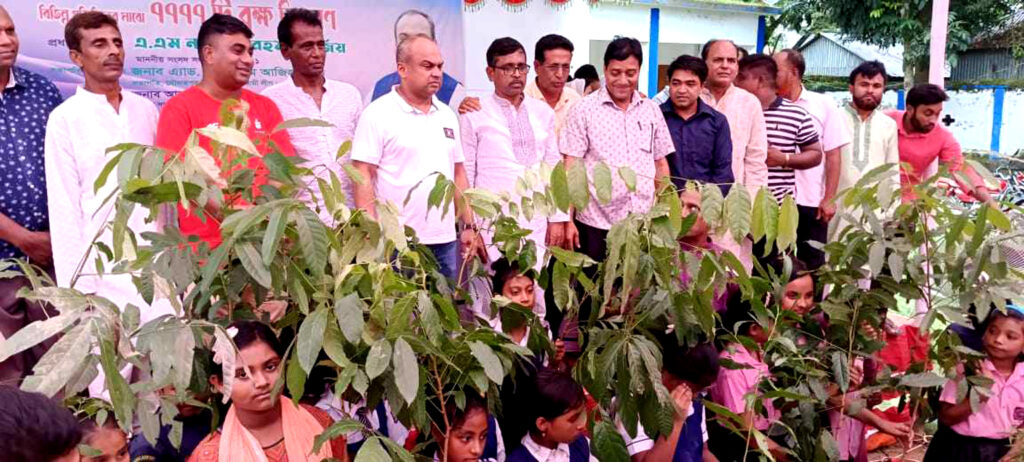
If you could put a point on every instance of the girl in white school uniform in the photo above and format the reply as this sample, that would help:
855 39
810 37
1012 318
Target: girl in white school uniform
983 436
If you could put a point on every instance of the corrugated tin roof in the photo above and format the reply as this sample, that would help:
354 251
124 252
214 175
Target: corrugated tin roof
892 57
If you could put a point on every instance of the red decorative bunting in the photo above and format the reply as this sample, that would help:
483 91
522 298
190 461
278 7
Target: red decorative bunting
473 5
515 5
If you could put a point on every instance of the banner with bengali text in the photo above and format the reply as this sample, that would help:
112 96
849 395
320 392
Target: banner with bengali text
161 57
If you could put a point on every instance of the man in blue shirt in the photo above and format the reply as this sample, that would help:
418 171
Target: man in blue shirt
26 100
700 134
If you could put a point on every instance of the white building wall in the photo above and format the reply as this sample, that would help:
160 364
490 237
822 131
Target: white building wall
582 23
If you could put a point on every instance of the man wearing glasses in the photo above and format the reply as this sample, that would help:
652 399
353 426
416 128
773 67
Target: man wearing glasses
552 57
509 136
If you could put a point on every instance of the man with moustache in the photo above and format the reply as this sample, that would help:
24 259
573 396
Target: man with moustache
743 111
225 50
99 115
309 94
26 100
616 126
509 136
922 141
408 136
875 141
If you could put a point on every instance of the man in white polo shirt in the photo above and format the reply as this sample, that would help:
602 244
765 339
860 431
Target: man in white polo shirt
309 94
407 136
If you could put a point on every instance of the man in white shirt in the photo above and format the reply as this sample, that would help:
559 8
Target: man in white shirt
79 131
308 94
815 200
508 137
407 137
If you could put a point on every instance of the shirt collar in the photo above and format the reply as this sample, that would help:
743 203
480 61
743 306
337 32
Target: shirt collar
1018 372
542 453
702 108
502 102
606 98
406 107
775 104
803 94
533 91
96 98
856 115
11 80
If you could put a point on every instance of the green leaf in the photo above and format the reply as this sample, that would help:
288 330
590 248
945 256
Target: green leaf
312 239
923 380
253 263
301 123
230 137
764 220
378 358
579 191
489 361
34 334
789 218
372 451
272 238
629 177
560 187
162 193
602 182
712 205
998 219
121 396
339 428
354 175
876 258
311 338
56 367
407 370
349 311
560 283
737 212
295 377
109 167
608 444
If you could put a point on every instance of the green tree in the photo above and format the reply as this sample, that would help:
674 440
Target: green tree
886 23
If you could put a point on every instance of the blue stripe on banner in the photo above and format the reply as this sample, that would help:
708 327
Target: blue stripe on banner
997 116
652 50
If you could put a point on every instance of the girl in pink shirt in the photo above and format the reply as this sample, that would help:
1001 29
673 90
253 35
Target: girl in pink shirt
983 436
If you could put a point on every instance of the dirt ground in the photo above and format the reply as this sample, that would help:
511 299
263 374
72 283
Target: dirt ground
900 454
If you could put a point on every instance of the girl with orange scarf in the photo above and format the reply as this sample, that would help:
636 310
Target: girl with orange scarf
260 426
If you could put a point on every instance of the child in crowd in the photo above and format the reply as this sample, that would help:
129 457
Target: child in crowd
686 372
34 428
519 286
107 438
983 436
557 418
474 434
259 425
733 385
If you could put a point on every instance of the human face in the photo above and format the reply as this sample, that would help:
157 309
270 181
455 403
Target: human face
1004 338
621 78
723 64
924 117
111 442
519 289
509 75
466 442
258 369
798 295
308 50
411 25
566 427
422 70
787 77
553 72
690 200
228 59
684 88
8 40
867 92
102 55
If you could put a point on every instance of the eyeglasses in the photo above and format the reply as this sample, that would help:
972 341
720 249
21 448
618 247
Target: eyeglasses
511 70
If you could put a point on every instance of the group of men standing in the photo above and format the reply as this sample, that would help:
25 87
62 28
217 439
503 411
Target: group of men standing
725 119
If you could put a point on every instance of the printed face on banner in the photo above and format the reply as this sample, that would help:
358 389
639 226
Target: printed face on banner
162 56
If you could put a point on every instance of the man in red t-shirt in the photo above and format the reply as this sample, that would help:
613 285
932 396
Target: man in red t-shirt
922 140
225 50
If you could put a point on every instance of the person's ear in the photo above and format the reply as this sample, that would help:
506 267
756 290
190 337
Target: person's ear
543 425
207 54
490 73
216 383
76 57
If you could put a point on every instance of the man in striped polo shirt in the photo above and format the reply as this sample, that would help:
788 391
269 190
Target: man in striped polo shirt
792 140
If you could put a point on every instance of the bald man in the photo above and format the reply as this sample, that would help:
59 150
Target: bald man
408 136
